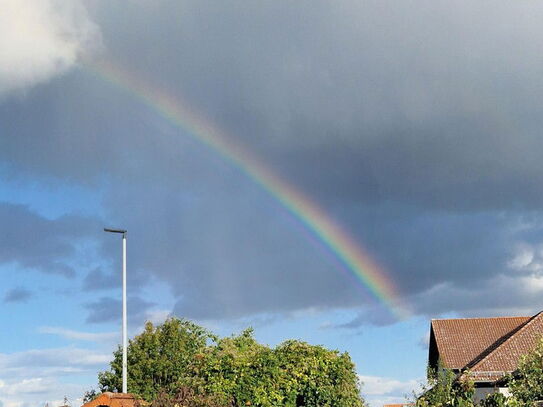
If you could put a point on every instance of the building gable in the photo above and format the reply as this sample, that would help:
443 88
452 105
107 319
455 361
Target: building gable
504 357
458 343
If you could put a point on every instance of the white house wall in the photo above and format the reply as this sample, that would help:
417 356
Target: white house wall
482 392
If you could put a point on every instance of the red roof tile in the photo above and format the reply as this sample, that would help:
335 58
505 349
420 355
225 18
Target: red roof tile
113 400
463 341
505 356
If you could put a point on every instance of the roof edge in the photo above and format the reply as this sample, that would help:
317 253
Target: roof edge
506 340
463 319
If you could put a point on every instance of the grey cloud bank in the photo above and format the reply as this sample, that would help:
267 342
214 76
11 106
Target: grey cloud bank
37 243
17 294
106 309
411 125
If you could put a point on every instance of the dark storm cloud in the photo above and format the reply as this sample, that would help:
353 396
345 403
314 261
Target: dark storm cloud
100 279
34 242
411 125
420 105
108 309
410 101
375 315
97 279
225 255
18 294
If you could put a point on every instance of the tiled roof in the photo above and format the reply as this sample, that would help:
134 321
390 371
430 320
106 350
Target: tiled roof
505 356
113 400
460 342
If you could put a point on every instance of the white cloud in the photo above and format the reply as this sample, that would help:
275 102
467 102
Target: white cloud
527 258
523 257
424 340
35 377
27 386
381 401
78 335
59 360
40 39
158 316
518 294
38 391
375 385
385 390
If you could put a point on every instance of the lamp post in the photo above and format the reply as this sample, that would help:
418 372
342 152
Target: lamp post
125 336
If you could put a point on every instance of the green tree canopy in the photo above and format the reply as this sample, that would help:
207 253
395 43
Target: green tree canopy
444 390
236 370
526 384
158 359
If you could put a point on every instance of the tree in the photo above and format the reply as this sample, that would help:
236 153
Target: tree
237 369
497 399
187 397
526 383
90 395
233 371
158 358
444 390
315 376
293 374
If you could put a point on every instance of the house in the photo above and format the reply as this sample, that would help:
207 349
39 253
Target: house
489 348
109 399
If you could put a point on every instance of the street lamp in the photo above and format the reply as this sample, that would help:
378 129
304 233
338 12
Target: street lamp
125 337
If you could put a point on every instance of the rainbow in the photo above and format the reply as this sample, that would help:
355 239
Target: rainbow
328 232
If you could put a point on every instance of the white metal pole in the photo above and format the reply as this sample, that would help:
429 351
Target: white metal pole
125 335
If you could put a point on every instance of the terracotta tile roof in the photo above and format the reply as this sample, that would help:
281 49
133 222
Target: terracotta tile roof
505 356
460 342
113 400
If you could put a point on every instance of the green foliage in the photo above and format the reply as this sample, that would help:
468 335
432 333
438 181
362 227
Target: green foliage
186 397
236 368
444 390
234 371
315 376
494 400
90 395
526 384
158 358
293 374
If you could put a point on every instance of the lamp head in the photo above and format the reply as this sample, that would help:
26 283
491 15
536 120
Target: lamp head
122 231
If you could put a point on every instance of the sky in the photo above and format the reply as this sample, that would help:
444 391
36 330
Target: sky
335 172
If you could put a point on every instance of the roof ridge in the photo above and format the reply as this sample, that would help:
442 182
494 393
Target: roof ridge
473 318
505 341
